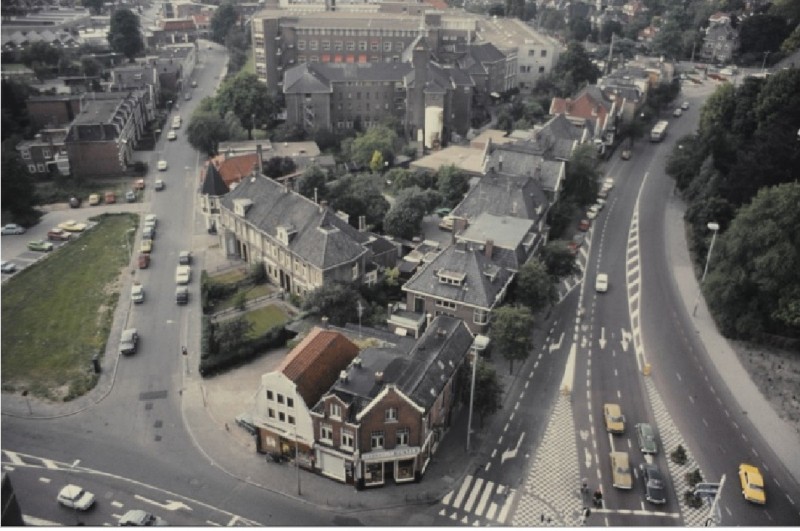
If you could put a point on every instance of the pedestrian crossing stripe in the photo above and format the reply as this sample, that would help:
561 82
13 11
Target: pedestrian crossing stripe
478 493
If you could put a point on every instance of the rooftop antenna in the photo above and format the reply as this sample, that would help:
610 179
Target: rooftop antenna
360 310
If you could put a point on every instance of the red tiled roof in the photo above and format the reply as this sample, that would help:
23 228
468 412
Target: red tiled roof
438 4
234 169
179 25
314 364
584 107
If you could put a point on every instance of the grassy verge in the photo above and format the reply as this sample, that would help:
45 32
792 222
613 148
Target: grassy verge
265 318
57 313
250 293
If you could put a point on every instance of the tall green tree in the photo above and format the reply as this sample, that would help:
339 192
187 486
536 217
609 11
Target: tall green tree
378 138
359 195
752 285
125 35
535 288
248 98
223 20
512 327
559 260
574 70
452 184
338 301
582 175
313 184
762 33
18 191
488 397
205 131
404 219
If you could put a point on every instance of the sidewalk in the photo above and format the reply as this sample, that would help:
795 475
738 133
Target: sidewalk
779 435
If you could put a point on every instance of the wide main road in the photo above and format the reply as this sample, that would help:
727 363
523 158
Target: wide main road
133 445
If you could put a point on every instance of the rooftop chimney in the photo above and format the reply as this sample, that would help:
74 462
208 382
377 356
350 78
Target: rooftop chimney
324 321
260 160
379 376
488 248
343 375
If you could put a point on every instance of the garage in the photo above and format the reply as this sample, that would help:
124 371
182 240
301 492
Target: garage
331 465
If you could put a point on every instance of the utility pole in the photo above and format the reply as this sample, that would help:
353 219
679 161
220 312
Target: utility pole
471 396
360 310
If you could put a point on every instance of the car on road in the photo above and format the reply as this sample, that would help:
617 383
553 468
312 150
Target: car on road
183 274
146 246
677 112
144 260
608 183
182 294
129 341
194 83
621 470
159 185
94 199
187 96
58 235
149 232
151 219
74 202
12 228
626 154
685 105
647 438
162 165
40 245
615 420
172 135
137 517
137 293
601 283
72 226
752 484
184 258
8 267
75 497
653 481
591 214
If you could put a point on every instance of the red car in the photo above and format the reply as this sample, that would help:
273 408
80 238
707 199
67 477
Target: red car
584 225
144 260
58 235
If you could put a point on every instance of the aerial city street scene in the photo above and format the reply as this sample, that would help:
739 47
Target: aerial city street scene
508 263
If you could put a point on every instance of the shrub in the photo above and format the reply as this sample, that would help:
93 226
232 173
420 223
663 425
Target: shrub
257 274
689 498
695 477
678 456
215 362
240 301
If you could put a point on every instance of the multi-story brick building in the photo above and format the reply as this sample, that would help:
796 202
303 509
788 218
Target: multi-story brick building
53 111
46 154
385 415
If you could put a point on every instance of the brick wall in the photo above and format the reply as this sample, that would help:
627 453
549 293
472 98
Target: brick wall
93 159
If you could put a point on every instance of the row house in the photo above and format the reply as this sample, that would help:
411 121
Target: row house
592 106
283 403
46 154
140 77
384 417
302 244
102 136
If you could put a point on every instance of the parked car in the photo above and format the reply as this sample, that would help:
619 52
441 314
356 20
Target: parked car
58 235
75 497
194 83
159 185
685 105
129 341
136 517
149 232
144 260
601 283
182 294
72 226
187 96
615 420
647 438
146 246
162 165
151 219
172 135
621 470
183 274
653 481
12 228
138 184
752 484
137 293
40 245
74 202
584 224
184 258
110 198
8 267
677 112
130 196
94 199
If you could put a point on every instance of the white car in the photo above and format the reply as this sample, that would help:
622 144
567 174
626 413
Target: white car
172 135
137 293
75 497
601 283
591 214
137 517
151 219
162 165
183 274
13 228
608 183
159 185
685 105
677 112
8 267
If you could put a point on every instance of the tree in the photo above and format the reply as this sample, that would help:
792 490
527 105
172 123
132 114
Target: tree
579 28
18 191
488 397
552 19
609 28
279 166
452 184
511 331
95 6
231 336
559 260
792 42
312 184
125 35
404 219
205 131
752 286
376 164
338 301
359 196
378 138
234 127
223 20
574 69
248 98
582 175
762 33
535 288
90 66
41 53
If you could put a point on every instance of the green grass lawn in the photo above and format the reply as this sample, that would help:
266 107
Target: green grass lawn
57 313
266 318
250 65
253 292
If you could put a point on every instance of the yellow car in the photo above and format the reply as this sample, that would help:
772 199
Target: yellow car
752 484
94 199
147 246
615 420
72 226
621 470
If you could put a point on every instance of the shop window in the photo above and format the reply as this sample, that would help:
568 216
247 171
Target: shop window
405 469
373 474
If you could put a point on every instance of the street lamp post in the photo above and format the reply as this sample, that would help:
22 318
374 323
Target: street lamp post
471 396
764 62
714 227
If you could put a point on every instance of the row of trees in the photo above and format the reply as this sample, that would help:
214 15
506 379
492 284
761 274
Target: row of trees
736 171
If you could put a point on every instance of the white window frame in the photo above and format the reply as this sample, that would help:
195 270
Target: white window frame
377 440
402 436
326 433
336 411
390 415
348 440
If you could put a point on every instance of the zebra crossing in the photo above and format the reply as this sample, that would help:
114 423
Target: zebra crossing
478 501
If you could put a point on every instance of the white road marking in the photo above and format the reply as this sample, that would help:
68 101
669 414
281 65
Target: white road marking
691 399
215 524
233 521
487 492
45 480
506 507
14 457
492 510
704 422
679 376
49 464
462 492
117 504
171 505
446 499
619 394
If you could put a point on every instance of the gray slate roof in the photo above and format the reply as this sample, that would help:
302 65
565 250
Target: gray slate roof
478 288
318 77
507 234
503 194
319 236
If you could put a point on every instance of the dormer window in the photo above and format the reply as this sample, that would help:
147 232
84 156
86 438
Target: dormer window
285 233
240 206
456 278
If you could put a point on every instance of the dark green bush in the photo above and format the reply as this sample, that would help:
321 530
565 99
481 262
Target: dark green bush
216 362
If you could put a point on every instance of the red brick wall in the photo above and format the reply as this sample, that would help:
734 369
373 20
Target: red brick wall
407 417
91 159
58 113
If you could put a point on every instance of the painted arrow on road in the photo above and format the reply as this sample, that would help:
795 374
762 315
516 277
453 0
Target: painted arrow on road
626 338
556 346
508 454
169 506
603 337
